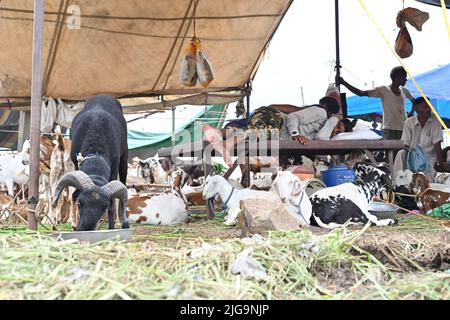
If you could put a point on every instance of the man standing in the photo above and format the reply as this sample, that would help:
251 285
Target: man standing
393 99
424 130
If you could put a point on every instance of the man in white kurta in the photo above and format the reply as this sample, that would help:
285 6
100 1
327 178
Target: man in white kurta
423 129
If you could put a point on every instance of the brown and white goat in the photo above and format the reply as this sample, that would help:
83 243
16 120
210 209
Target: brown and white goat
60 164
159 209
430 198
5 201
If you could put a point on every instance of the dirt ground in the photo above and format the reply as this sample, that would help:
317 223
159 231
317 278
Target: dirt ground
415 244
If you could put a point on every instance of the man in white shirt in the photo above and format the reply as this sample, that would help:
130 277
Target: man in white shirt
313 122
393 101
423 129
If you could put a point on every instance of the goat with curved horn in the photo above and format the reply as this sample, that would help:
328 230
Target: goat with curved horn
100 150
76 179
116 189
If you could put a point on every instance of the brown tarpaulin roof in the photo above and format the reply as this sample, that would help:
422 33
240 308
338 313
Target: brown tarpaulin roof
135 46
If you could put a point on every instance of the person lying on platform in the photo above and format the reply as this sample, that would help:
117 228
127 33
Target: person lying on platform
422 130
312 122
300 123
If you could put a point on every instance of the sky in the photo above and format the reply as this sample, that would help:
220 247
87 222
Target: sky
301 55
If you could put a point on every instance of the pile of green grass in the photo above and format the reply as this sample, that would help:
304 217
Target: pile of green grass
299 265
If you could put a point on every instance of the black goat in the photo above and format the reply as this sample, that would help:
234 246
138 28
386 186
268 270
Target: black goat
99 152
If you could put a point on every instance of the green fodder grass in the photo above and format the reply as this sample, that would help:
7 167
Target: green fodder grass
299 265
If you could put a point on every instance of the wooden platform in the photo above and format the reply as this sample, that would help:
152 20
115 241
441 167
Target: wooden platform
204 151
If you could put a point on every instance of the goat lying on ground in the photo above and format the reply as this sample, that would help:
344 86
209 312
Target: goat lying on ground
291 192
335 206
163 209
430 198
160 209
403 180
217 185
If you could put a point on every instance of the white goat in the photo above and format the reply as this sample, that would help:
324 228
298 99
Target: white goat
12 171
135 168
442 178
403 178
217 185
292 193
152 170
163 209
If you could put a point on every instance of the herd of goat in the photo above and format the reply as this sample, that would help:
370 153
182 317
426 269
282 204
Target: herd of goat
78 179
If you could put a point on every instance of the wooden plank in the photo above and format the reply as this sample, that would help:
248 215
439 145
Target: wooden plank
231 170
342 145
235 164
36 101
391 160
315 146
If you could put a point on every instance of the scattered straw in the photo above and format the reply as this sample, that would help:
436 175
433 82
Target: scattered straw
299 265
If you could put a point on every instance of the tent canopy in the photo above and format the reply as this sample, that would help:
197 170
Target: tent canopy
213 115
134 47
434 83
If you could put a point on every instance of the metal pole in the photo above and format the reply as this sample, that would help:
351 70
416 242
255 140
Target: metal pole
173 126
303 98
36 101
247 158
338 59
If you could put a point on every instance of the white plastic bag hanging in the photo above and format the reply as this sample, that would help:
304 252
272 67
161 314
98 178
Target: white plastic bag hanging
48 115
188 73
205 72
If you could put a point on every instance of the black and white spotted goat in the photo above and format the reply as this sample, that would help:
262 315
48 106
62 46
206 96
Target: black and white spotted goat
334 206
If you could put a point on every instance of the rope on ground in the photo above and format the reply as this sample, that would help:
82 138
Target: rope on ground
414 213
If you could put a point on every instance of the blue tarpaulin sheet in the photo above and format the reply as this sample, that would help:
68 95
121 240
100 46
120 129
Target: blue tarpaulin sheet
434 83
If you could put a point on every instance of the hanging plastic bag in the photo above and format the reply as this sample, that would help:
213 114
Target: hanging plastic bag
205 72
415 17
49 113
188 73
403 43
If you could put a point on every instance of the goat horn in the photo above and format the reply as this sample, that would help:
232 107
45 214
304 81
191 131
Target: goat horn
116 189
77 179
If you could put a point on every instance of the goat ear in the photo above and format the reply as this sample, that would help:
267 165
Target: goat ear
297 188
